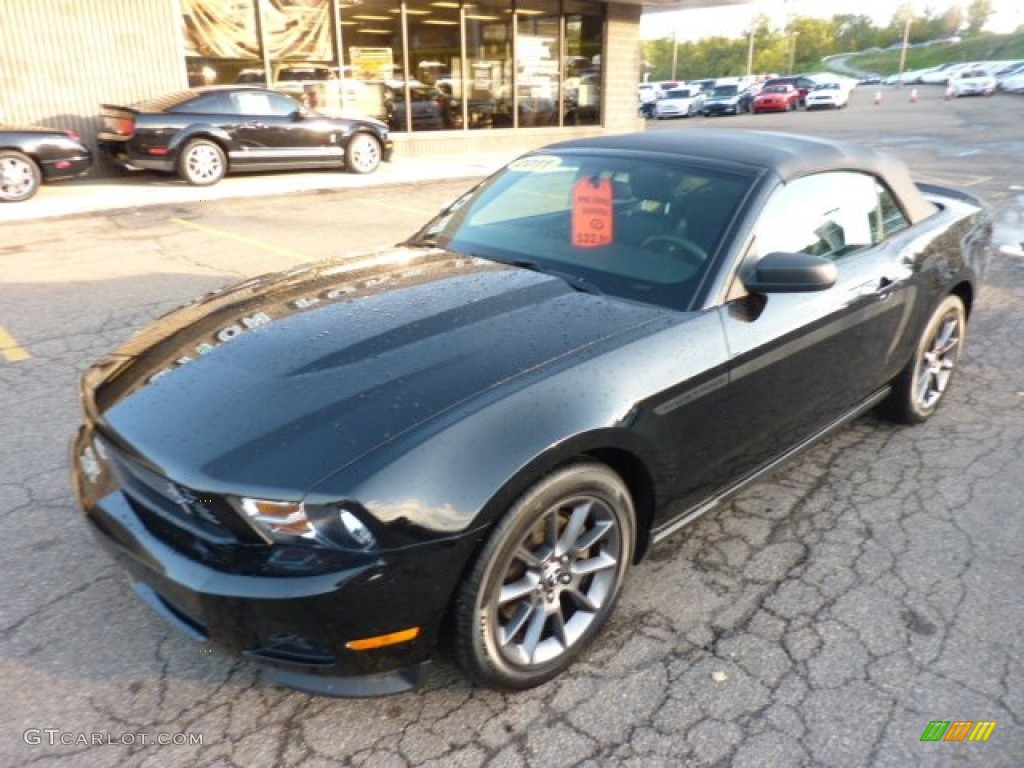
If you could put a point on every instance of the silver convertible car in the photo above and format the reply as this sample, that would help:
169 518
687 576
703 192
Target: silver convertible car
468 439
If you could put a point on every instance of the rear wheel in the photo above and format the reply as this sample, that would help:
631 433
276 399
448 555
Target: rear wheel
20 177
921 385
362 153
546 580
202 163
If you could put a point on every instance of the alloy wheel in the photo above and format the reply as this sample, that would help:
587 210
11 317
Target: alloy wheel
557 582
938 362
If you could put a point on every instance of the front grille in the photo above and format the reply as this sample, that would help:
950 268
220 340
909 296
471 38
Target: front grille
193 522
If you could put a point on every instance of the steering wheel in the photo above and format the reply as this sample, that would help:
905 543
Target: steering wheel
678 247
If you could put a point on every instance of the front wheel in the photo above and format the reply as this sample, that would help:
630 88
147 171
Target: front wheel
921 385
546 580
362 153
202 163
19 176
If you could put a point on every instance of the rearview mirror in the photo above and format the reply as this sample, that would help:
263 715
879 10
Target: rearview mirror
791 273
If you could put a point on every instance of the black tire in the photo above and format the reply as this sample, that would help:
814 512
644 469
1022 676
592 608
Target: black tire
202 163
921 385
20 177
362 153
546 579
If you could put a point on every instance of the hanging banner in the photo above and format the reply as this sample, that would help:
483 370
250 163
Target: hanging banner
226 29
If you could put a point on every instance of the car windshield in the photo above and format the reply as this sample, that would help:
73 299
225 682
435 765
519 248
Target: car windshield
641 230
725 90
776 89
678 93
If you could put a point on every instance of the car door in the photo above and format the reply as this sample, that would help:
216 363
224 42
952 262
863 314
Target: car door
799 361
273 130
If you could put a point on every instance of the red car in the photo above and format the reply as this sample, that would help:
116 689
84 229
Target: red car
777 98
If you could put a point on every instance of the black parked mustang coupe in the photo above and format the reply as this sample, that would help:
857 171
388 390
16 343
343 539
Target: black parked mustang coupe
471 437
32 154
204 133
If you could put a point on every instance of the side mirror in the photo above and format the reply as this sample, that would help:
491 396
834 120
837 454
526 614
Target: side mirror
298 116
791 273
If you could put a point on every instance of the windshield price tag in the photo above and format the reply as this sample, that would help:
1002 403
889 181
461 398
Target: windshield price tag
592 207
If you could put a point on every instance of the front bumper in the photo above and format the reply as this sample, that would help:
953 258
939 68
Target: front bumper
721 109
296 625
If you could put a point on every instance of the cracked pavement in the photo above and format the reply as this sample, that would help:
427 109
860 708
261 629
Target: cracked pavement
823 618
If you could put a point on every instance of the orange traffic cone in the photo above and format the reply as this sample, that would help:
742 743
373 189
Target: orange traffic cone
878 98
913 96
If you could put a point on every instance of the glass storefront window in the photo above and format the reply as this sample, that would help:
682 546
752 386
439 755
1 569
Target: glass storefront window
538 45
374 67
435 64
419 65
584 22
489 59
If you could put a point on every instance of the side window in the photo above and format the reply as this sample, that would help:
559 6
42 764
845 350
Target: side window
891 216
208 104
828 214
263 103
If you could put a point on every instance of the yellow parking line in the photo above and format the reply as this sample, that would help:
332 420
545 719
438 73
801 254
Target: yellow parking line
10 349
244 240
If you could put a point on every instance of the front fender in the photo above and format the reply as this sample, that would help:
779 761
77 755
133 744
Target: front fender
459 472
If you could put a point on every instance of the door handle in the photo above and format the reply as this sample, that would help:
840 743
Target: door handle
885 289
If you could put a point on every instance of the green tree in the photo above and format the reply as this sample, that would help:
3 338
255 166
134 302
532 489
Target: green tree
855 32
978 13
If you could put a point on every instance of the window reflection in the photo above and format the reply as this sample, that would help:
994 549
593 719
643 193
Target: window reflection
538 74
420 66
489 56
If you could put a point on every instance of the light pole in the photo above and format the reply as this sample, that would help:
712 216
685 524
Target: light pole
903 50
792 49
675 50
750 52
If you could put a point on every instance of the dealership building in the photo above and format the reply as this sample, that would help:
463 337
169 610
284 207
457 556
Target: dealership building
449 76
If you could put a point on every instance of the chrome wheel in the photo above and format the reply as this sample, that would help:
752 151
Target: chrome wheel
924 380
202 163
362 154
547 579
936 364
19 177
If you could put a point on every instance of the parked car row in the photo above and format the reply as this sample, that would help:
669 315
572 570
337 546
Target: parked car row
977 78
200 134
733 96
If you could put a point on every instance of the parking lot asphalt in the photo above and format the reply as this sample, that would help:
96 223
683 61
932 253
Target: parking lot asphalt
823 618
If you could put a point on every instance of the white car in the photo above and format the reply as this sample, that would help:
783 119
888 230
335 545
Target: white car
679 102
827 96
972 82
940 74
1013 83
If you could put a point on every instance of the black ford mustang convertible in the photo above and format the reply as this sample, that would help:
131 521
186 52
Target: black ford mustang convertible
470 438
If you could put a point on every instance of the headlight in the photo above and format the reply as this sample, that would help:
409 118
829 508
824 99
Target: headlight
287 521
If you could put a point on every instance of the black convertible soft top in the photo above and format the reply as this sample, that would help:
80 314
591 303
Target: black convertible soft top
787 155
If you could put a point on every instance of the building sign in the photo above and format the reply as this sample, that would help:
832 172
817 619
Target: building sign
372 63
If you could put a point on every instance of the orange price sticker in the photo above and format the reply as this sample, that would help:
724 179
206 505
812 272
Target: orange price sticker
592 207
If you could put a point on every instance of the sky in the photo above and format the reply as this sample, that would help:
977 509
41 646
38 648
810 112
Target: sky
733 21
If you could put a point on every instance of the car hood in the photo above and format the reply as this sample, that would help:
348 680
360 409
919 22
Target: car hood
274 384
